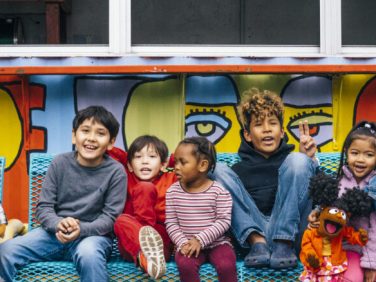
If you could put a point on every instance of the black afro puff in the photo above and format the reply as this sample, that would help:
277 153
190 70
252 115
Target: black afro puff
356 202
323 189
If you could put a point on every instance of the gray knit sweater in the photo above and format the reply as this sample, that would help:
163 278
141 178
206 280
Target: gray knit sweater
94 195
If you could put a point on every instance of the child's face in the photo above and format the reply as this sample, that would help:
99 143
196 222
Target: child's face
187 167
265 134
361 158
146 164
92 140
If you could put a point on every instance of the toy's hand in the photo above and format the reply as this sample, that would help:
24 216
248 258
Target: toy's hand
307 144
2 230
363 235
313 261
313 219
194 247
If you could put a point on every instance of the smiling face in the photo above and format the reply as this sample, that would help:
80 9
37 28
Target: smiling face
265 134
146 164
332 220
361 157
92 140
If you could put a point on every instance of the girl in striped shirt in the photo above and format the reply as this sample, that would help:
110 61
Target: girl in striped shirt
198 213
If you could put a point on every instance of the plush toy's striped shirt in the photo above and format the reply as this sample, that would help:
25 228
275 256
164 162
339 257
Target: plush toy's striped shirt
205 215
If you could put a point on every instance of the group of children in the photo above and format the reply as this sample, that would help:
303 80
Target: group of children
190 212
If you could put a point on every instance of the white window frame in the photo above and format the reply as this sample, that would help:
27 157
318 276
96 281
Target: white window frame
120 42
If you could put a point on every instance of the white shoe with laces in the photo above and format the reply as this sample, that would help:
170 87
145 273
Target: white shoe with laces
151 257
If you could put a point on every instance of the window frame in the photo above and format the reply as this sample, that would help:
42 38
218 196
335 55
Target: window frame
120 42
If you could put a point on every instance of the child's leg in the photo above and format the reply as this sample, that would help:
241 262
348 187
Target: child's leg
90 257
290 208
37 245
354 272
246 217
126 230
144 197
189 267
223 258
292 196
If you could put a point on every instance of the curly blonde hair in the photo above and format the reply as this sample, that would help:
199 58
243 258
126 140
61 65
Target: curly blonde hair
259 103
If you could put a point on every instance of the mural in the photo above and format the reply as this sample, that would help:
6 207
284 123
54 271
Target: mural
36 112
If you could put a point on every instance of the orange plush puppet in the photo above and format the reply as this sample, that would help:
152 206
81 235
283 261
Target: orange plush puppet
321 253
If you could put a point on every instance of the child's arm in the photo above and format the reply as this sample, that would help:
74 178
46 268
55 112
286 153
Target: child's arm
222 222
172 223
3 221
45 211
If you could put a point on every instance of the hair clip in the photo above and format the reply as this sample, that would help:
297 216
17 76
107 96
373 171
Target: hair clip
369 127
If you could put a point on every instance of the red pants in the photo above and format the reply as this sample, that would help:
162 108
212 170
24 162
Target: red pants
143 197
222 257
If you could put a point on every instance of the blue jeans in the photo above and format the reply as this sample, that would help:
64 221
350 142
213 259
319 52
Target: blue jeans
291 208
88 254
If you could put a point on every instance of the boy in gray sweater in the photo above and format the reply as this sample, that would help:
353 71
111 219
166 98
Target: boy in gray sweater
83 193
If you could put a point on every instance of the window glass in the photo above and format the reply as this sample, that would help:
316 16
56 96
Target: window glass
60 22
358 22
234 22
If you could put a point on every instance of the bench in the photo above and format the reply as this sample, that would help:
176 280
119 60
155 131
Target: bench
120 270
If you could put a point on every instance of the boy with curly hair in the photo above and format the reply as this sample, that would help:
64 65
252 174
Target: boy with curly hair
269 184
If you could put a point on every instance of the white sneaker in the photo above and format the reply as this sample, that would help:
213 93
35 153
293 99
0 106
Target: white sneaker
151 257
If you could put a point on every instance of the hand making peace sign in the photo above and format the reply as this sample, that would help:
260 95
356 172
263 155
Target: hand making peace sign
307 143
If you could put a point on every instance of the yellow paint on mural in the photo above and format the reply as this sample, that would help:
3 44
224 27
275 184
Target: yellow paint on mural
346 89
11 128
225 121
156 108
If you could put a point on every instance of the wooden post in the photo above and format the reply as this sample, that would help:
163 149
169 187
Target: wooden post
53 22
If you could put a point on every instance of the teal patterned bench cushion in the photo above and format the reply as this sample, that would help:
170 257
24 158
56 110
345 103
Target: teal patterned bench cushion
123 271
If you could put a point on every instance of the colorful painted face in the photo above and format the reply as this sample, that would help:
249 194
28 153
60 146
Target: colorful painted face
92 140
146 164
361 158
332 220
265 134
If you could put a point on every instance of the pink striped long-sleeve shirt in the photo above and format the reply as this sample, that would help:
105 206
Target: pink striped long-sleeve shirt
205 215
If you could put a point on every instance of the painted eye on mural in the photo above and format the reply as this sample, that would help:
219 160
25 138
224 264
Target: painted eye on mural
320 126
212 125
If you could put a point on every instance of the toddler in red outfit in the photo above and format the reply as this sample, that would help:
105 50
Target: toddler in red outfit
140 229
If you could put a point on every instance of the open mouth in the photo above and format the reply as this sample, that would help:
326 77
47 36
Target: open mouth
332 227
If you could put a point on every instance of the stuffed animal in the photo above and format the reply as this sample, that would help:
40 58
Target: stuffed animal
11 228
321 253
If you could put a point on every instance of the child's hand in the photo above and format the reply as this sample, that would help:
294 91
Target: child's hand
369 275
307 143
68 224
313 261
68 230
194 247
184 249
67 237
363 235
313 219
